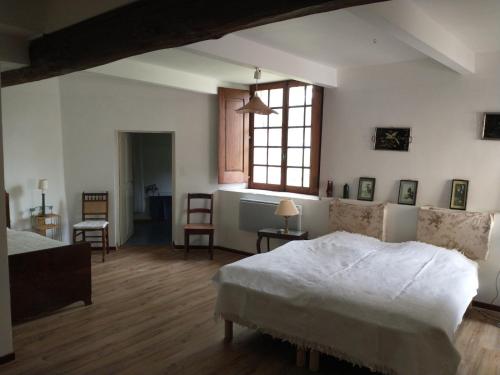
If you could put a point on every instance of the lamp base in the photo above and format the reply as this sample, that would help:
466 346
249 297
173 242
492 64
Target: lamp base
286 225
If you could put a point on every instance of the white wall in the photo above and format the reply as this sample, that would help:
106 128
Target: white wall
444 110
95 107
6 346
33 150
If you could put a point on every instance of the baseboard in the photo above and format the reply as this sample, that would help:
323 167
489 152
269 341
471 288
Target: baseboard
205 247
487 306
7 358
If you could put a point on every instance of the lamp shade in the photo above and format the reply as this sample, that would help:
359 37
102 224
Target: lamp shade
286 207
43 184
255 105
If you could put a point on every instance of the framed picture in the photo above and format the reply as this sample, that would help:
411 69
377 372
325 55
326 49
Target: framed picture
392 139
458 199
366 188
491 126
408 192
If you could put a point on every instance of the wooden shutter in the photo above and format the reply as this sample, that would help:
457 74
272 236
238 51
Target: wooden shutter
233 136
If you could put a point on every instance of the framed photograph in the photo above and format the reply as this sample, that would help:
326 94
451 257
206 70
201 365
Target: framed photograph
458 199
366 188
408 192
491 126
392 139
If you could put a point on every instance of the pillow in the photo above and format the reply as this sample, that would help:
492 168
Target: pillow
358 218
468 232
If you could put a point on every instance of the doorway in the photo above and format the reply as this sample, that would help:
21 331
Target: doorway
146 188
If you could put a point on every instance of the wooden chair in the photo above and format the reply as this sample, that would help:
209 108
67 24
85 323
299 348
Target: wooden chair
94 219
203 229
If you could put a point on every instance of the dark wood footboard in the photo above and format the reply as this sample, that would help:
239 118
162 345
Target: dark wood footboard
46 280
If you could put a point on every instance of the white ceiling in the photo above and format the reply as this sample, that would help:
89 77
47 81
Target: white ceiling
338 39
475 22
181 59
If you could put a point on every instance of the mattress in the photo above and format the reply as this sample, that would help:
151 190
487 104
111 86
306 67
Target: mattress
19 242
393 308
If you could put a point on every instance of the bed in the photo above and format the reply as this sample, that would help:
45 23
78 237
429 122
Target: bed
390 307
45 274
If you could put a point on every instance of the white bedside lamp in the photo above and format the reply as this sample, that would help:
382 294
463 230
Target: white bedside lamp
43 185
286 208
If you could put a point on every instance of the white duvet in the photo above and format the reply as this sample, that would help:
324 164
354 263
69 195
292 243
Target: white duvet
393 308
24 242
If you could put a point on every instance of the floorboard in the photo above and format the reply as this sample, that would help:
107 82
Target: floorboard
152 314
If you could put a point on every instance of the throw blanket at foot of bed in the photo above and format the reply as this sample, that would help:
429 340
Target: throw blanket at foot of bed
393 308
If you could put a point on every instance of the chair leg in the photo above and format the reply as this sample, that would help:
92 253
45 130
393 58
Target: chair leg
106 238
74 236
186 244
211 245
103 240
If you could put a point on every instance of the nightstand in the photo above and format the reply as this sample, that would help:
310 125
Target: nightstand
291 235
48 225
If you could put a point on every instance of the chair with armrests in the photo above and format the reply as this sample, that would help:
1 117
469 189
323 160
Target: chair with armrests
200 228
94 220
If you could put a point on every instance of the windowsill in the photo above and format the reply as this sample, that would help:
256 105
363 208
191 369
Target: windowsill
279 194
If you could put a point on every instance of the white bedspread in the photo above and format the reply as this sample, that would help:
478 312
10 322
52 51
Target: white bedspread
24 242
391 307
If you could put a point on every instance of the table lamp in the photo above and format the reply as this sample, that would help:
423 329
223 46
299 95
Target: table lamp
43 185
286 208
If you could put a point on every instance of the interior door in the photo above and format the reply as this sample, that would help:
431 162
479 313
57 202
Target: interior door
126 187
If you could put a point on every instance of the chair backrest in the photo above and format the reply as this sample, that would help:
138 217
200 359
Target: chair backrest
95 206
209 211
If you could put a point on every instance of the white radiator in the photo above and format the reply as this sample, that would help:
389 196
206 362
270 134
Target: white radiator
255 215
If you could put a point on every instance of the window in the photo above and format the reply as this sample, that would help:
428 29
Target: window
285 147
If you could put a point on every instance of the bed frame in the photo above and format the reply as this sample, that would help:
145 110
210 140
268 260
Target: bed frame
46 280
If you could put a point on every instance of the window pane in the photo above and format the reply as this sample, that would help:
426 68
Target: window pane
294 157
260 155
274 175
274 137
307 137
276 98
296 116
260 137
264 96
276 119
259 174
306 177
295 136
294 176
308 116
309 94
259 121
274 156
296 95
307 157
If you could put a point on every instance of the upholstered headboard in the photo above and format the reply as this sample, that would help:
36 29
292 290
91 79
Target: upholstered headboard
7 210
468 232
367 219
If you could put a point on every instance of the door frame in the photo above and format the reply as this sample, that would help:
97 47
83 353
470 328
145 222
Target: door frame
116 177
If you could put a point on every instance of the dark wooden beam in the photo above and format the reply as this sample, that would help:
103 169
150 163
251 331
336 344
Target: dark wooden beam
149 25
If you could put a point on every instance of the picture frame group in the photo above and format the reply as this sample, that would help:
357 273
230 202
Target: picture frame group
408 192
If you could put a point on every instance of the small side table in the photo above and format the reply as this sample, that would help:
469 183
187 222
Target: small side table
48 225
279 233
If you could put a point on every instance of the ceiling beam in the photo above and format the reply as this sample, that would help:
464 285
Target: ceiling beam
235 49
149 25
160 75
407 22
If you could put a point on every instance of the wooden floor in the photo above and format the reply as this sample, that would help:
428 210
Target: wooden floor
152 314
